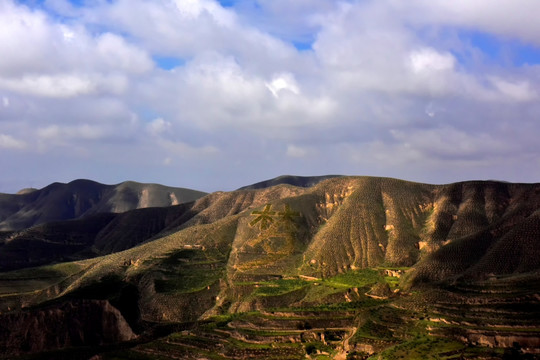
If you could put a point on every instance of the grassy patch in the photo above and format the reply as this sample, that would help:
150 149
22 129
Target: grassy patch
31 280
314 346
356 278
163 350
425 347
43 272
187 282
279 287
189 270
372 330
221 321
392 281
267 333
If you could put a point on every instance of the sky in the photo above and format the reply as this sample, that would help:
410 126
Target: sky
214 95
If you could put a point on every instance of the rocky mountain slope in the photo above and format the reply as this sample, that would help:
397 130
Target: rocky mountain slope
347 268
80 198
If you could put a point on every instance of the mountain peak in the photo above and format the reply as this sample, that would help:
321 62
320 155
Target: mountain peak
300 181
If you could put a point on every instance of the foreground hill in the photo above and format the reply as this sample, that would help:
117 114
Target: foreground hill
84 197
347 268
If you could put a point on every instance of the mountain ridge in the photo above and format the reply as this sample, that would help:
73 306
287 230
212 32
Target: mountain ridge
82 197
381 265
300 181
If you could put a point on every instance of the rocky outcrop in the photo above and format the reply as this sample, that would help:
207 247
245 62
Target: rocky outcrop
380 291
71 324
503 339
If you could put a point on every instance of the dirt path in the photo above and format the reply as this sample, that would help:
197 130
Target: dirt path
343 354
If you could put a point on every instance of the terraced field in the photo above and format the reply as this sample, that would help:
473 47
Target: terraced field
352 268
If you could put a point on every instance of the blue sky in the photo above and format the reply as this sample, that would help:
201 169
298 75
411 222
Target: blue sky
215 95
503 51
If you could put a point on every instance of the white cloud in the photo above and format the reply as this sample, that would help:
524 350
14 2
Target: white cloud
428 60
192 9
115 53
69 35
9 142
46 58
66 133
60 86
214 92
282 82
65 85
158 126
450 143
511 18
190 29
85 80
296 151
517 91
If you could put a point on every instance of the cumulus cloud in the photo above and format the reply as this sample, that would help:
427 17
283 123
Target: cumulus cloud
283 82
512 18
62 85
428 60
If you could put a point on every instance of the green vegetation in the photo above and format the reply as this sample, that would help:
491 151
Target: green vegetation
189 270
264 217
279 287
356 278
35 280
372 330
398 270
133 355
426 347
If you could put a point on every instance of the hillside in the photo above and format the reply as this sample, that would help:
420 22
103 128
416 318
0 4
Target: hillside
80 198
348 268
91 236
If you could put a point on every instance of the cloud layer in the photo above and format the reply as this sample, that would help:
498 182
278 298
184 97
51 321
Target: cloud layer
263 88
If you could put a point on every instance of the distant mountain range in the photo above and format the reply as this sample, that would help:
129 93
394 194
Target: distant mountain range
346 266
301 181
81 198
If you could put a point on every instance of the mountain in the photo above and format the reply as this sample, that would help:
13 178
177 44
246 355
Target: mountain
349 268
91 236
301 181
80 198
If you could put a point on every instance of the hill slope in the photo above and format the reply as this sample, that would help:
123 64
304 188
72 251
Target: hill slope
469 229
80 198
328 268
88 237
